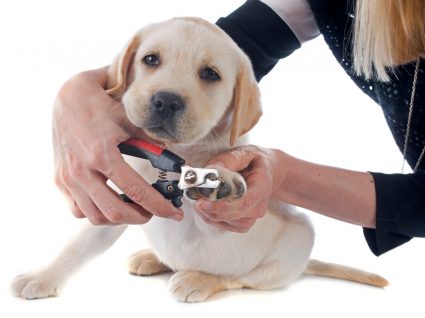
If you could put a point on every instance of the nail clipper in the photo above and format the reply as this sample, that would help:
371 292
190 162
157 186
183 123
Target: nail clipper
165 160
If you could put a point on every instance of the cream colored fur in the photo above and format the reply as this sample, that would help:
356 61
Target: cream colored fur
274 253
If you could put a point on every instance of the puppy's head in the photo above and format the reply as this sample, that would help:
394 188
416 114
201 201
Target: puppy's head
180 79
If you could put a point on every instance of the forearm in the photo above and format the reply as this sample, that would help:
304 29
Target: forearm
338 193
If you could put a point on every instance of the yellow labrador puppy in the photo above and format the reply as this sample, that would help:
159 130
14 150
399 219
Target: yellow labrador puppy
187 84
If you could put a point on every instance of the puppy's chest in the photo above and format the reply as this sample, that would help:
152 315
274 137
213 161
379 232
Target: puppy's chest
180 243
193 244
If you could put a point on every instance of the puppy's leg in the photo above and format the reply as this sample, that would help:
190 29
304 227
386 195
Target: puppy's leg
145 263
232 186
91 241
192 287
272 275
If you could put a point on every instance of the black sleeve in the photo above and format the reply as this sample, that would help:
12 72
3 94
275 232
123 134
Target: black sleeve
261 34
400 215
266 38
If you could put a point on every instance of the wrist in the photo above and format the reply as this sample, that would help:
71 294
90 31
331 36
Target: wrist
281 168
287 179
338 193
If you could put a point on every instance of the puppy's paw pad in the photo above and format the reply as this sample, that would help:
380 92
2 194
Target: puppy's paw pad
239 187
232 186
193 287
145 263
193 193
34 286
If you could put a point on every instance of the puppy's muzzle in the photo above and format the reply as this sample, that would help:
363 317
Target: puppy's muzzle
166 111
167 104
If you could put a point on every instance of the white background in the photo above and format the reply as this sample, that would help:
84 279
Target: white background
311 110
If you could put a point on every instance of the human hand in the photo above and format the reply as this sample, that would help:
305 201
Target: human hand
87 127
262 174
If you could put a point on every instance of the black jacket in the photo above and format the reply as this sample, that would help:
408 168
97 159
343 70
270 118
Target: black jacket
265 38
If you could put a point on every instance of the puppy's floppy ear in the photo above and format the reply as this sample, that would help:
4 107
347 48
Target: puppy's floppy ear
246 101
118 71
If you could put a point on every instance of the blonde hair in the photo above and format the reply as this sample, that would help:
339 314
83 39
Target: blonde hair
387 33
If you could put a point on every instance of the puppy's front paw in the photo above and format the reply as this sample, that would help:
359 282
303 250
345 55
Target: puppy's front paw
194 287
232 186
35 285
145 263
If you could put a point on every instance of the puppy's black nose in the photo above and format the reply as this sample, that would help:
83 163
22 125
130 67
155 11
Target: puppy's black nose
167 104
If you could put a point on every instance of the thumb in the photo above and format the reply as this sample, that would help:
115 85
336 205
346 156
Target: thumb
236 159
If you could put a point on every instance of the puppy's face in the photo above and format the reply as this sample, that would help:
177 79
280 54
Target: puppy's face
179 80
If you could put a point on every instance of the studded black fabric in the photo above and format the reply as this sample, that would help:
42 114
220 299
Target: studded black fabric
266 39
335 20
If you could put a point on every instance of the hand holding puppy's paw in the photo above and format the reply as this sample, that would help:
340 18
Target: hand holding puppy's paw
35 285
232 186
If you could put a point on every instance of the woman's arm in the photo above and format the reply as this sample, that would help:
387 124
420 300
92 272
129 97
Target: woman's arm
272 174
338 193
390 207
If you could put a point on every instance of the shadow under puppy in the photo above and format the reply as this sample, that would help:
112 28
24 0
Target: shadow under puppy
187 85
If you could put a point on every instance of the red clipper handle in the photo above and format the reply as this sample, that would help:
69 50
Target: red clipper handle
142 145
160 158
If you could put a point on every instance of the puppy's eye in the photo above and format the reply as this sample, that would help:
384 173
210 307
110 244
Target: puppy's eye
210 75
151 60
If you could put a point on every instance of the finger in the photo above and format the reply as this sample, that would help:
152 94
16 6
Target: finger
240 226
243 225
112 207
236 159
206 219
232 215
229 208
256 180
76 211
219 225
226 227
213 217
223 208
87 207
237 215
138 190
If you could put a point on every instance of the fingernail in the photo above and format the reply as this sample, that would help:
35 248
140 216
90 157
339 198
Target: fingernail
216 163
177 217
205 205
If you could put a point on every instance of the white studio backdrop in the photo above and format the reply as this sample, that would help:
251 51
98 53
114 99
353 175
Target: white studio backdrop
311 110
